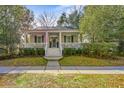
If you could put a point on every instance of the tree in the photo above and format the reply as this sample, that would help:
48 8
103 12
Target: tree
28 19
72 19
47 19
62 20
74 16
102 23
12 20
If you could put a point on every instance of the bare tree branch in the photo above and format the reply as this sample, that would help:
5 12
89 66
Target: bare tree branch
47 19
78 8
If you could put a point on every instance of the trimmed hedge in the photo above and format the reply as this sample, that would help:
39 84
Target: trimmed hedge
32 51
24 52
40 51
72 51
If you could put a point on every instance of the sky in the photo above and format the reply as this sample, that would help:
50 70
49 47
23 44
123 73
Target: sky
55 9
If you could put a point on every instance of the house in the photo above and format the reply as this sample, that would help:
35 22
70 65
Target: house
53 40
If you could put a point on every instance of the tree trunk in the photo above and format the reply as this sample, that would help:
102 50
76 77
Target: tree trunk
93 38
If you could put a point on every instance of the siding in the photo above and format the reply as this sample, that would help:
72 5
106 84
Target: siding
32 37
75 36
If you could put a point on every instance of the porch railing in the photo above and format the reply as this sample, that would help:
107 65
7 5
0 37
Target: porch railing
34 45
71 45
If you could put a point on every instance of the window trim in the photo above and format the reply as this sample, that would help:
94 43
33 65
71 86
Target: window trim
69 39
36 38
39 39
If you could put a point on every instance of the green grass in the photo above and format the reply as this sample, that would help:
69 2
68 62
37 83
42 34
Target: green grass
62 80
87 61
26 61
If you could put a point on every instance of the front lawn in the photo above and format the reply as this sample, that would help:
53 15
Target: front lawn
87 61
25 61
62 80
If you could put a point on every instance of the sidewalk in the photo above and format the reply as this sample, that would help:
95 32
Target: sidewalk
65 69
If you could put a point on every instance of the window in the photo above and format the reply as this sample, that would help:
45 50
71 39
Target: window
68 39
42 38
39 39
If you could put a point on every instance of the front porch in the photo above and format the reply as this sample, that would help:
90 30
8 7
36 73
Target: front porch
52 39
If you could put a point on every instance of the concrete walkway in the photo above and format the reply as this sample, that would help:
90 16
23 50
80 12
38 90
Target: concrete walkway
52 65
51 68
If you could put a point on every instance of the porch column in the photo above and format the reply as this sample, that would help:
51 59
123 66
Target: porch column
79 41
46 38
79 38
60 44
59 38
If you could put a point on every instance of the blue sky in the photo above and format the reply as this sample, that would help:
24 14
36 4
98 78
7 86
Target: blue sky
55 9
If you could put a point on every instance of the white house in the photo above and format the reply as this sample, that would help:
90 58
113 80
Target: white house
53 40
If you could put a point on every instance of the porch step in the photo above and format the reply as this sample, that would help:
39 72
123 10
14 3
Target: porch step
53 58
53 52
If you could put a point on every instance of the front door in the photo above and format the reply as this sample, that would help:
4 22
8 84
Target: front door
53 42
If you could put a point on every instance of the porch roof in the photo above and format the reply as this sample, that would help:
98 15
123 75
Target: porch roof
51 29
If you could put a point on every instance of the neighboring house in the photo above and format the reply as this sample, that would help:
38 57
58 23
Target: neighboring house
51 39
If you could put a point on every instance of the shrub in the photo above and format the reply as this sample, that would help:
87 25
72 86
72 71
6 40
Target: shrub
2 57
79 51
21 52
69 51
24 52
99 50
40 51
8 56
121 48
73 51
86 49
32 51
2 51
27 51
